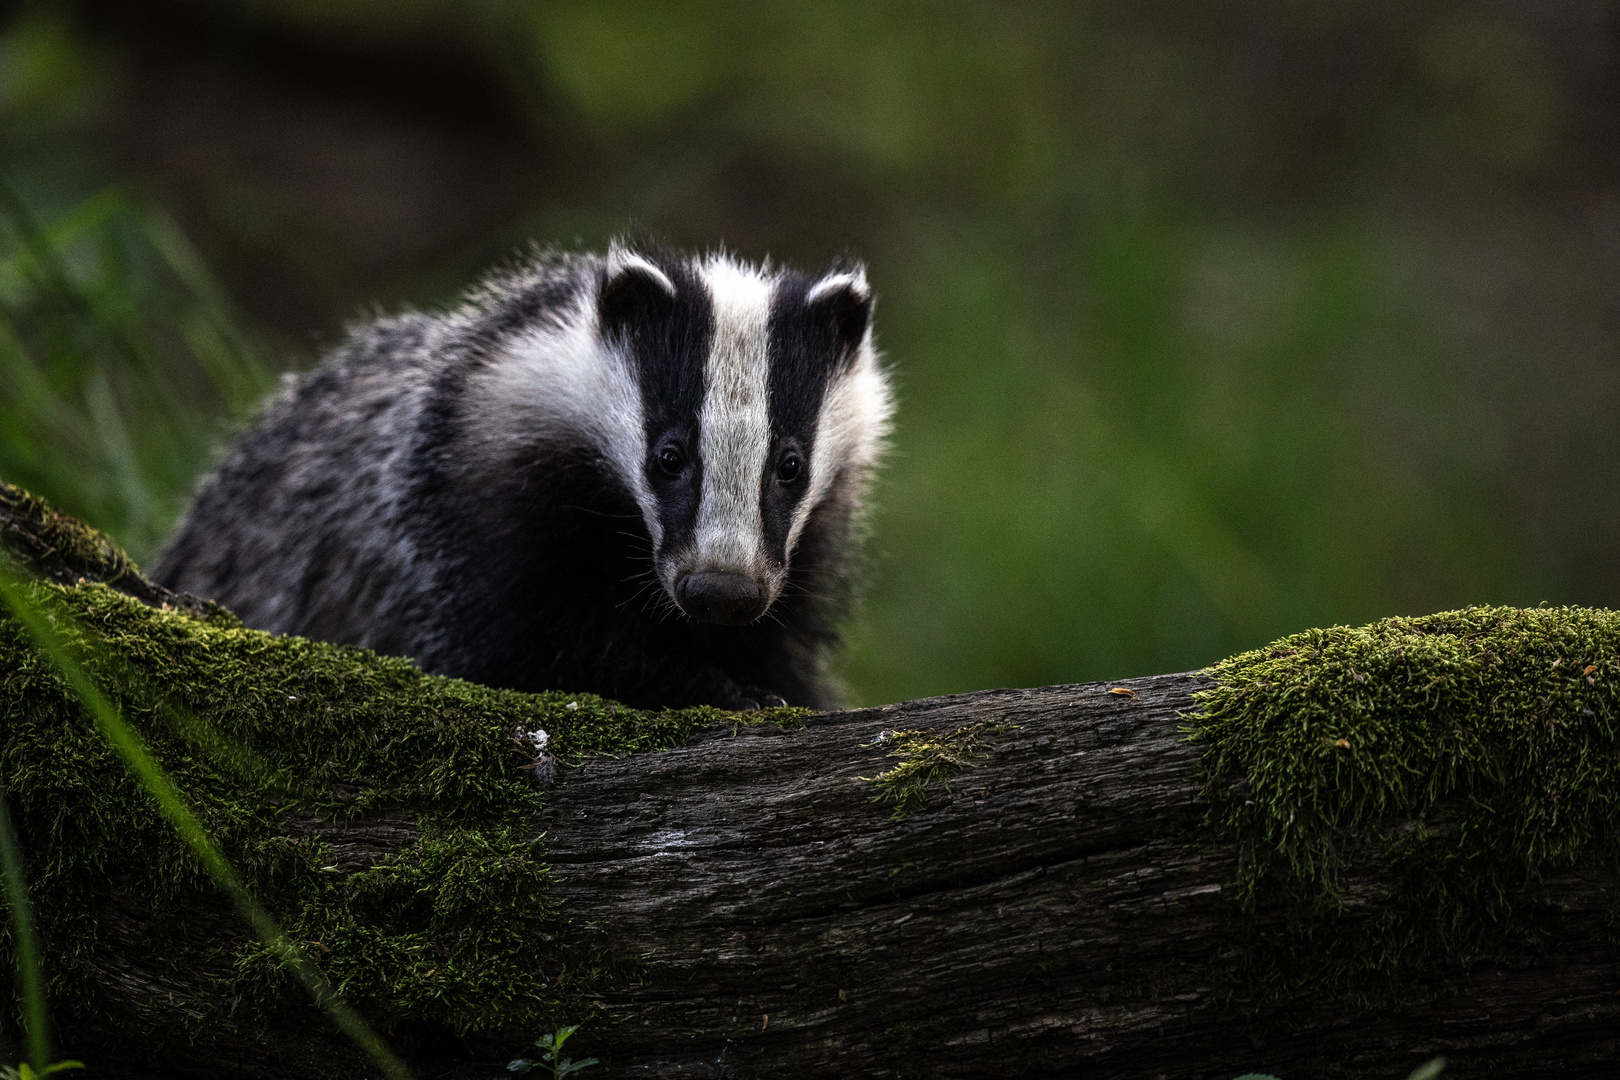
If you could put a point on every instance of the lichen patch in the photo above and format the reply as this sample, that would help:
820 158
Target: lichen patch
928 759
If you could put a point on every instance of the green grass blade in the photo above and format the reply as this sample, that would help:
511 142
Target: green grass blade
122 361
231 358
132 748
22 932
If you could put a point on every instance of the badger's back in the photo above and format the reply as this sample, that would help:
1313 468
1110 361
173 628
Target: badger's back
301 528
483 491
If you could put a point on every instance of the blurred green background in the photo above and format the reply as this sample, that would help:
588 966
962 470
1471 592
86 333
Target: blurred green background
1211 320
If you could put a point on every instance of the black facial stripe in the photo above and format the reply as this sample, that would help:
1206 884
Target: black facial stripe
668 354
805 353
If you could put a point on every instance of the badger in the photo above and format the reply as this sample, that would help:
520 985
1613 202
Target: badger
640 475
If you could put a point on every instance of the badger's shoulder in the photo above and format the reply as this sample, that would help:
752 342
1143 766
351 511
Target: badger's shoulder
545 288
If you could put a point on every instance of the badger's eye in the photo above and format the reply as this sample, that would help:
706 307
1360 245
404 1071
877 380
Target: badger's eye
788 469
671 460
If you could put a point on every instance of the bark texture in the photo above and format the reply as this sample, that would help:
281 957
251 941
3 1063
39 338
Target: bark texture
1046 918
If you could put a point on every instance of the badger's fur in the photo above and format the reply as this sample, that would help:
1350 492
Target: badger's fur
639 475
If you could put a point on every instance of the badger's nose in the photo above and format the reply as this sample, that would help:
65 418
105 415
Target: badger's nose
718 597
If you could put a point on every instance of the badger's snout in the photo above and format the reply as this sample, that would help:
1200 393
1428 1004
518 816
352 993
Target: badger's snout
721 597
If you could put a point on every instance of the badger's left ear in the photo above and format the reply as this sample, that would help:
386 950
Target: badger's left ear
843 297
632 290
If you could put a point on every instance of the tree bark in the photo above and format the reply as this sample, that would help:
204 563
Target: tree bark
1046 918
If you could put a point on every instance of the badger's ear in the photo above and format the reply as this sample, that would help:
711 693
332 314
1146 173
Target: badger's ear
633 291
844 299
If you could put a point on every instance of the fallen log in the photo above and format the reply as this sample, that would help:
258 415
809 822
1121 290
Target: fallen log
1385 844
1054 915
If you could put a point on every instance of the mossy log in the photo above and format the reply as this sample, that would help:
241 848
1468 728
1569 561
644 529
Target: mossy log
1335 857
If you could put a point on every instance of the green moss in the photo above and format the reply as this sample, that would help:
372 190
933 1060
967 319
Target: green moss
50 544
269 737
40 542
1398 793
928 758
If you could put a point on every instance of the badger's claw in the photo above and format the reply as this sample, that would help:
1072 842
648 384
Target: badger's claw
754 698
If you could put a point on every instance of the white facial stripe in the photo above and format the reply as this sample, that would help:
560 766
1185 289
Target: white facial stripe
850 429
563 383
735 424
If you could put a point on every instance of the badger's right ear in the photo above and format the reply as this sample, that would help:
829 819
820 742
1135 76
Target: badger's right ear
632 291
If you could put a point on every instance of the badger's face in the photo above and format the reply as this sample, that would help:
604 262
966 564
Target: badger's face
745 399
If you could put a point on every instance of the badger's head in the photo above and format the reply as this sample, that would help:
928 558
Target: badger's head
730 400
759 393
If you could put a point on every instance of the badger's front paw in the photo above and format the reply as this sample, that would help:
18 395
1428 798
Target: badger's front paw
749 698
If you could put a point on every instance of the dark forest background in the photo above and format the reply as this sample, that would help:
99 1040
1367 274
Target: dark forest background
1211 320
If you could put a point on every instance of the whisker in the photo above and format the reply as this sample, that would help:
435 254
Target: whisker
598 513
800 589
650 582
664 608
